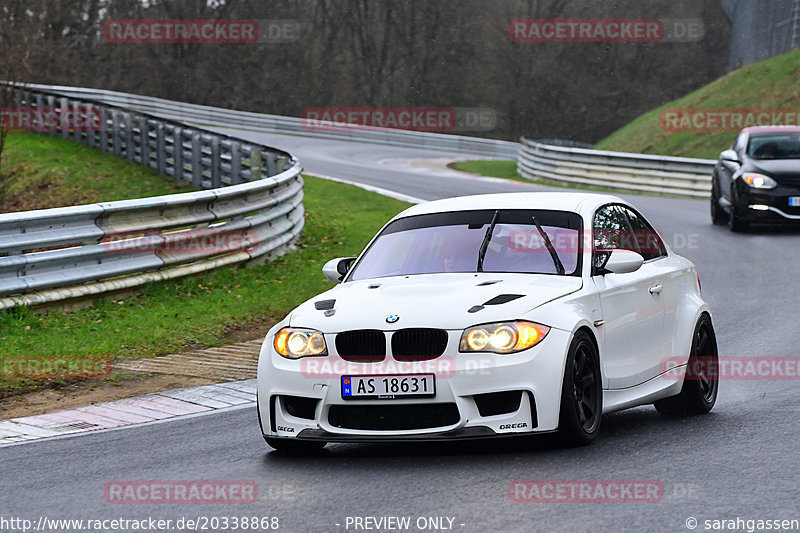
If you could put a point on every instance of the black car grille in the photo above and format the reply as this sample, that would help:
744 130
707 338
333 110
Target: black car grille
789 180
418 344
362 345
393 417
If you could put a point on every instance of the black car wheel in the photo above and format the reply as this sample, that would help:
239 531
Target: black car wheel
581 393
717 214
701 381
735 222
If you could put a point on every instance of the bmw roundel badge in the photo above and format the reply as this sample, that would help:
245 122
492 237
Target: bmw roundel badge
391 319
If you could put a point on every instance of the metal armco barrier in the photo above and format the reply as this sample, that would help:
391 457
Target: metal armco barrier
206 115
675 176
250 209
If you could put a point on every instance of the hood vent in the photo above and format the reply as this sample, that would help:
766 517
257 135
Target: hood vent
324 305
503 299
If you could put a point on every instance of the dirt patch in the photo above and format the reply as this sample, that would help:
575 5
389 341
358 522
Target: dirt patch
87 393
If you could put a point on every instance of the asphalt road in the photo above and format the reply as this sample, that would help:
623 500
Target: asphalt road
740 461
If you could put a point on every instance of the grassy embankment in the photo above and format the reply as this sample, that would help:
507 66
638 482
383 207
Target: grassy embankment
172 316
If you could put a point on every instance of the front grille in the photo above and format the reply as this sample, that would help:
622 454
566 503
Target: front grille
393 417
418 344
361 345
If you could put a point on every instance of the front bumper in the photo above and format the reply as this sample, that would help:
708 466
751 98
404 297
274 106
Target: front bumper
769 206
477 396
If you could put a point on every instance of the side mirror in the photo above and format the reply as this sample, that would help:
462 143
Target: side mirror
729 155
337 269
623 262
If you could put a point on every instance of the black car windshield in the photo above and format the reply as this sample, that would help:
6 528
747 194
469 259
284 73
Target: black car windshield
451 242
775 146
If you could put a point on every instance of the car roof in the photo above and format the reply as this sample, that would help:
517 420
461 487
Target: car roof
556 201
772 129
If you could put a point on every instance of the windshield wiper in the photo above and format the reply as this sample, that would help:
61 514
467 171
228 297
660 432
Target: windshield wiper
556 261
486 239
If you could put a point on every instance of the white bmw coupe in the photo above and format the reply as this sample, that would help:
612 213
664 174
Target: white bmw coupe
491 316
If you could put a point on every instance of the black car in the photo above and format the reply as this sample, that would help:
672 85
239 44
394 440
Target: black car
758 178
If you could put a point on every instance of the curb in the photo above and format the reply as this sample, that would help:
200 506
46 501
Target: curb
129 412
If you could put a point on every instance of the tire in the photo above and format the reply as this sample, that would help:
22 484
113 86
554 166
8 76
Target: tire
717 214
294 445
700 386
735 222
581 393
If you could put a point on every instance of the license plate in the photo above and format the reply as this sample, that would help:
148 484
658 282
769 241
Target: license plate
388 387
794 201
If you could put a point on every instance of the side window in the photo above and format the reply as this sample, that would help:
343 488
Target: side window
611 231
648 242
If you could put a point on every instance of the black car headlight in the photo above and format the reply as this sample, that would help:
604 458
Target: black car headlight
759 181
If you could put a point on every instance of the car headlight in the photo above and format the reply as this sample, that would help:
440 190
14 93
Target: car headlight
759 181
502 337
294 343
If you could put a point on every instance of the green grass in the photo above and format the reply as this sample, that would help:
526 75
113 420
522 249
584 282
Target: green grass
173 316
496 169
770 84
41 171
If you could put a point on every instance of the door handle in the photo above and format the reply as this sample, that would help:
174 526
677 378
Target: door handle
655 290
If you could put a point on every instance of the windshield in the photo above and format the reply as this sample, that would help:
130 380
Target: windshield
777 146
451 242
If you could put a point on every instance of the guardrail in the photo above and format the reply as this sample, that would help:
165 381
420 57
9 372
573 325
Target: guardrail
251 210
675 176
207 115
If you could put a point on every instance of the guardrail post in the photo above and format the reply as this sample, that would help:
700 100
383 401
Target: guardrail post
255 163
161 154
91 138
177 154
236 162
104 133
197 165
63 107
272 164
130 142
144 141
216 171
115 140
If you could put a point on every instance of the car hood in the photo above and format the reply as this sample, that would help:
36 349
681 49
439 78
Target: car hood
446 301
775 168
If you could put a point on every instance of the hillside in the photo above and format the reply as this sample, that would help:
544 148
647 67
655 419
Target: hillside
41 171
771 84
